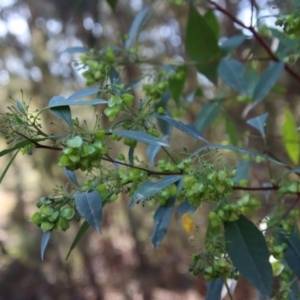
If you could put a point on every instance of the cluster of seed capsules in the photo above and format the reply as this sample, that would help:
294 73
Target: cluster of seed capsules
53 215
83 155
290 24
212 265
226 213
98 65
204 183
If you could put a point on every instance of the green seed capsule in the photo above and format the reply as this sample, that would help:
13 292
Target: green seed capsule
76 142
46 226
36 218
46 211
53 217
68 213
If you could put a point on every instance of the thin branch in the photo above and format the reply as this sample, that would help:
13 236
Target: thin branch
258 37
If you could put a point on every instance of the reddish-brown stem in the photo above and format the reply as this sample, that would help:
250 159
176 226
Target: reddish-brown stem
258 37
259 188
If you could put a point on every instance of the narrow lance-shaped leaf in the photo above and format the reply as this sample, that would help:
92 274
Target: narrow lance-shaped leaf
139 21
208 115
268 80
131 156
249 253
89 206
8 166
81 232
290 137
161 220
112 3
71 176
233 73
59 101
114 76
64 113
176 84
213 22
214 289
80 94
232 43
292 253
230 130
76 50
149 189
259 123
21 144
202 45
153 150
185 207
242 170
44 242
190 129
141 137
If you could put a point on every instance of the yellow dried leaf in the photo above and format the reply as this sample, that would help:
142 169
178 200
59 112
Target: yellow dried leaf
188 224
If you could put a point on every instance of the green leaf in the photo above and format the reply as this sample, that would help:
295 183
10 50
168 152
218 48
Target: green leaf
267 81
292 253
176 85
44 242
78 95
112 3
89 206
149 188
153 150
202 45
231 132
290 137
131 156
211 19
185 207
290 44
21 145
114 76
164 126
59 101
242 170
64 113
294 290
259 123
8 166
249 253
81 232
141 137
214 289
208 115
233 73
139 21
238 149
20 107
71 176
77 50
190 129
232 43
161 220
